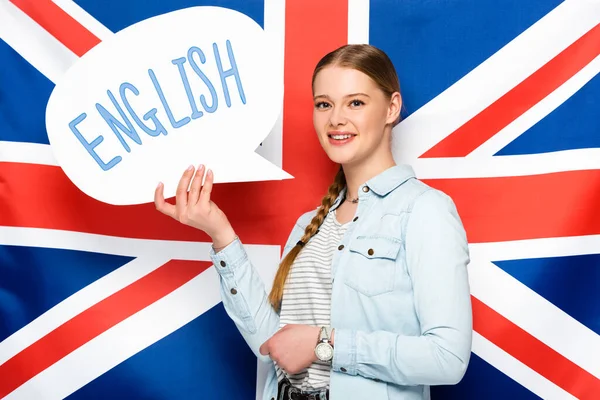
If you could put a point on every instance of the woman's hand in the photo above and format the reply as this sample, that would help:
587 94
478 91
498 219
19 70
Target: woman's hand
292 347
196 208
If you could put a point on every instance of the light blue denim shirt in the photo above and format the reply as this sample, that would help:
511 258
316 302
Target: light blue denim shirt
400 302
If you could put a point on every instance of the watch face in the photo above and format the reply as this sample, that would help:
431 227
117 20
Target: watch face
324 351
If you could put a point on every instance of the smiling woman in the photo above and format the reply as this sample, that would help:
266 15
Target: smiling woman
371 299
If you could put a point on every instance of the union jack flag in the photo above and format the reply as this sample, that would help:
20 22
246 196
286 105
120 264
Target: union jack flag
502 113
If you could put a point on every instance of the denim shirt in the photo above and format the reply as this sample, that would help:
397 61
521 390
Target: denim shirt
400 303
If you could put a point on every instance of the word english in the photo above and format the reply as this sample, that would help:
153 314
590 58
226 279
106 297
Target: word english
128 122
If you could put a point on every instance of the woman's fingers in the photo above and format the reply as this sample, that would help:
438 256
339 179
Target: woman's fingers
181 195
207 188
161 204
196 186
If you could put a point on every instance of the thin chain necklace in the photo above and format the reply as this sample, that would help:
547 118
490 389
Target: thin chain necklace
352 200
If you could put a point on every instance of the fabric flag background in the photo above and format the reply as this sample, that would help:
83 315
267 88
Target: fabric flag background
99 301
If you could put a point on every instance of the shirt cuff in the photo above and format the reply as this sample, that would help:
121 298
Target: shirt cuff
344 351
229 258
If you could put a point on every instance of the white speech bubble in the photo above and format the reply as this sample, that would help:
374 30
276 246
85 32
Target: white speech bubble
197 85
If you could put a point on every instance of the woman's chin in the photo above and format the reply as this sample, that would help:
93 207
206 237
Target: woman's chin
340 157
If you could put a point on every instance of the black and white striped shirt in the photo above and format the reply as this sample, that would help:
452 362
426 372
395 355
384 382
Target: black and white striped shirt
307 296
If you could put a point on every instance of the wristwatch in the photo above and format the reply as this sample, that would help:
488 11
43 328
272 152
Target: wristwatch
324 349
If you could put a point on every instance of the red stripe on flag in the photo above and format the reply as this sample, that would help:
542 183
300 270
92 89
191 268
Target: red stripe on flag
521 98
533 353
492 209
59 24
95 320
526 207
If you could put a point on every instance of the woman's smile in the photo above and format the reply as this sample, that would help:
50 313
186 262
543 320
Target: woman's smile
340 138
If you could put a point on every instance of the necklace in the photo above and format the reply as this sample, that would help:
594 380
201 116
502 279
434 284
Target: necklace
352 200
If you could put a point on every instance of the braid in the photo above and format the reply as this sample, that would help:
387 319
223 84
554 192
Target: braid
311 229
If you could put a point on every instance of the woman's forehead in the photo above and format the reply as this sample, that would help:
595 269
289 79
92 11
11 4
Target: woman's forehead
336 81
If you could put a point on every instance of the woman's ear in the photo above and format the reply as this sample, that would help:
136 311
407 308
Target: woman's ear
394 109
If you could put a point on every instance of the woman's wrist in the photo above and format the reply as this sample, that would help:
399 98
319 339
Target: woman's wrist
223 239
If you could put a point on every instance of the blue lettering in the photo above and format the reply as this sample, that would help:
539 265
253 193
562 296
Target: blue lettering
215 100
232 71
115 123
150 115
174 124
90 146
186 84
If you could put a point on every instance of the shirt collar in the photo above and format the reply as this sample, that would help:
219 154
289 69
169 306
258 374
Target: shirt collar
383 183
390 179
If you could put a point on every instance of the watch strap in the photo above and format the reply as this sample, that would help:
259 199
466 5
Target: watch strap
325 334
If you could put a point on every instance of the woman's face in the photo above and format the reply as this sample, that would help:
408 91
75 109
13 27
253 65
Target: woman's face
351 115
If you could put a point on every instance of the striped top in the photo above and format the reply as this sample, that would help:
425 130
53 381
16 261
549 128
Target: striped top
307 296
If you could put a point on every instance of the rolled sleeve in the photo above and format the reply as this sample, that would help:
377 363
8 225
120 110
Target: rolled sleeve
229 258
344 351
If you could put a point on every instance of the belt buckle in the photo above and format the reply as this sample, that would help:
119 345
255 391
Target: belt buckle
294 393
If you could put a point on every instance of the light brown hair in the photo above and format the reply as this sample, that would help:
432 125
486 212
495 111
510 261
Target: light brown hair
376 64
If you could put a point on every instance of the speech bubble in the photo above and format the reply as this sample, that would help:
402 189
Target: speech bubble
197 85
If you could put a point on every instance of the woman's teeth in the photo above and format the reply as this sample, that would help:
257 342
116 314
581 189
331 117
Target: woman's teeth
341 137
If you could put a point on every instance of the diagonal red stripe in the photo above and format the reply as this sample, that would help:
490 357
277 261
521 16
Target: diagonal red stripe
521 98
533 353
95 320
59 24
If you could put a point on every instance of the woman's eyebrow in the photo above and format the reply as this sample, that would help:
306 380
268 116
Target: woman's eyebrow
346 96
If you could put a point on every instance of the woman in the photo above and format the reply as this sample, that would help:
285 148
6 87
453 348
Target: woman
371 299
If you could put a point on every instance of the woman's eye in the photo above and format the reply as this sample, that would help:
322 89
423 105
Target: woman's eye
321 105
356 103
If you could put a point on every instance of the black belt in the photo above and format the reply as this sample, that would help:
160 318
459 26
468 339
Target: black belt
288 392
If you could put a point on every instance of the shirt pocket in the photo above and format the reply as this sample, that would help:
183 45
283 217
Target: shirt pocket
372 267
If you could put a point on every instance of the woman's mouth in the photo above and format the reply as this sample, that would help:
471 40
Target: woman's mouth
340 138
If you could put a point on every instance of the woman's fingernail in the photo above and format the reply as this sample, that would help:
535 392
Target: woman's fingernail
159 184
190 168
200 166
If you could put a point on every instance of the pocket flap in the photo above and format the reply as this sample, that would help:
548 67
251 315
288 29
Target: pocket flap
376 246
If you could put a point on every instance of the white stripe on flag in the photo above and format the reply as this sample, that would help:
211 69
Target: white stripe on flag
30 153
358 21
537 248
534 314
517 371
77 303
151 255
513 165
537 113
493 78
62 239
33 43
124 340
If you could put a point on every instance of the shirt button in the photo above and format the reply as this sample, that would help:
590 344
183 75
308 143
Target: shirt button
371 252
355 218
223 263
365 189
343 369
233 291
341 247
